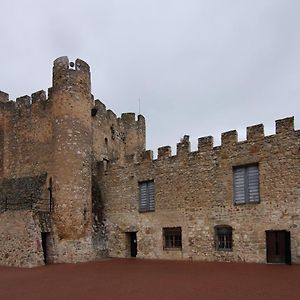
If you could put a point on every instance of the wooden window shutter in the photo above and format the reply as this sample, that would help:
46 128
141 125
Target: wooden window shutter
253 183
147 196
246 184
239 185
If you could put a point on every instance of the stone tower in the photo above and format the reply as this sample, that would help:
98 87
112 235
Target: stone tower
71 162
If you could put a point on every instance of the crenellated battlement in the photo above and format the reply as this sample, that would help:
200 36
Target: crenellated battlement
285 125
4 97
229 138
127 120
71 76
101 107
255 133
147 155
205 144
229 141
164 152
23 101
39 96
63 63
117 137
184 146
26 102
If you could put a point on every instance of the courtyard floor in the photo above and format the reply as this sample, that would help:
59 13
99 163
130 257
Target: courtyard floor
151 279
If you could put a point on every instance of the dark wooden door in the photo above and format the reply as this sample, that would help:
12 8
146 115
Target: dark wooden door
133 244
278 246
45 245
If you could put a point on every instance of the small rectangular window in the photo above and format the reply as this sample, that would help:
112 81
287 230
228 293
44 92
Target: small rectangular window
223 237
147 196
246 184
172 238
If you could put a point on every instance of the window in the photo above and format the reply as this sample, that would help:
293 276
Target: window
147 201
223 237
172 238
246 184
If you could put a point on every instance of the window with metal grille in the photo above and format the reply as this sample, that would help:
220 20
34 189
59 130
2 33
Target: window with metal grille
172 238
147 200
223 237
246 184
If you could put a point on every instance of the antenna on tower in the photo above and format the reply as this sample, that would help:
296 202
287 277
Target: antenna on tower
139 105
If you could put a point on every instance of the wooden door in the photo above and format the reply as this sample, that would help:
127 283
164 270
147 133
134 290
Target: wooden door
278 246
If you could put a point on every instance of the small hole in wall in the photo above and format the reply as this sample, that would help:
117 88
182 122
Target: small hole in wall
106 141
94 112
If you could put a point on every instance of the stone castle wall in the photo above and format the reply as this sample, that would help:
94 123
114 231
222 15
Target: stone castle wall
115 138
22 235
26 135
70 172
49 150
194 191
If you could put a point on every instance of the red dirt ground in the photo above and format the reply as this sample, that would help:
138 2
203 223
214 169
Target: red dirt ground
151 279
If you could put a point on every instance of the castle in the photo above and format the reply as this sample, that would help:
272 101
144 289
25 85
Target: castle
77 184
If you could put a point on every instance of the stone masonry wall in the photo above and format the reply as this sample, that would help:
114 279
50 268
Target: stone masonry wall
71 160
22 192
116 137
60 138
25 147
194 191
76 167
26 135
20 239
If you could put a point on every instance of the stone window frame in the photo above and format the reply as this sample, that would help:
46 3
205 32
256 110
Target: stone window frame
246 183
146 196
172 238
223 237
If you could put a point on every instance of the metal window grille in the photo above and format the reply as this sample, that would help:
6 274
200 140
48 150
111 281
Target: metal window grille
246 184
147 196
224 238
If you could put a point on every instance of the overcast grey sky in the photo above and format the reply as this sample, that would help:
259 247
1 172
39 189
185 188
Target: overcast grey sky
199 67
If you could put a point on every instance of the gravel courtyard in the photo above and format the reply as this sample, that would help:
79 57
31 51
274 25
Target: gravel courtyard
151 279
